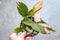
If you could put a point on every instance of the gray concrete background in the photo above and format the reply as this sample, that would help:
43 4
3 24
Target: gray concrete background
9 17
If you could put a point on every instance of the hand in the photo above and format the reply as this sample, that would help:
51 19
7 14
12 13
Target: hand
15 36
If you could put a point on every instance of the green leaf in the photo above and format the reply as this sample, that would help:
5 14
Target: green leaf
34 25
22 9
42 21
17 30
32 11
50 29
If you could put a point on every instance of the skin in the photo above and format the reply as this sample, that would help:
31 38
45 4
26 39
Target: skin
22 36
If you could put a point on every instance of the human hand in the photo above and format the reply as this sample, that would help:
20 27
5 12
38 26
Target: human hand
15 36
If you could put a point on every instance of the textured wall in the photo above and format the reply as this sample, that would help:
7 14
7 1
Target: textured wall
9 18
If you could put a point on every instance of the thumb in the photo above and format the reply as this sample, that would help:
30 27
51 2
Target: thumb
23 35
28 38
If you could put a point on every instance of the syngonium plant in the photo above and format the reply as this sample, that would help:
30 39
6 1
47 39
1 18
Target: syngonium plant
29 23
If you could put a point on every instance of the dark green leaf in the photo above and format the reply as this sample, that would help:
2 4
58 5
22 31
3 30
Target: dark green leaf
41 21
22 9
50 29
34 25
17 30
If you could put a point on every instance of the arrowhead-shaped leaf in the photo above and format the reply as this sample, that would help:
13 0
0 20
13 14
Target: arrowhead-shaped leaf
34 25
22 9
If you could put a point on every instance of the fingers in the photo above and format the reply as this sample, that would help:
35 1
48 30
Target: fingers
14 34
23 35
28 38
